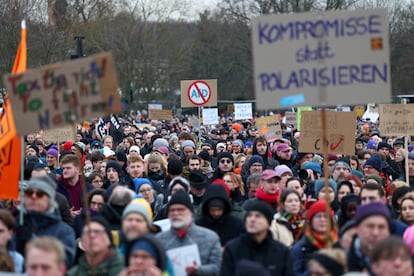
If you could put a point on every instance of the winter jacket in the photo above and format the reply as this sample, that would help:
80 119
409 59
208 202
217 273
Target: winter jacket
357 261
208 244
281 232
271 254
112 265
113 214
45 224
227 227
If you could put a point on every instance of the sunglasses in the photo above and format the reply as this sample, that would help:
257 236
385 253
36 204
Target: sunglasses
222 161
37 193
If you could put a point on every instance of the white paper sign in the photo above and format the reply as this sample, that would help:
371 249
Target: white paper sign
155 106
372 113
210 116
323 58
243 111
184 256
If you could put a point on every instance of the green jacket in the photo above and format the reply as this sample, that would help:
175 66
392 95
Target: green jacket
113 265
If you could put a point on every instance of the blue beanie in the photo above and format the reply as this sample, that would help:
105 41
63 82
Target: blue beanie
375 161
319 184
145 245
138 182
314 166
255 159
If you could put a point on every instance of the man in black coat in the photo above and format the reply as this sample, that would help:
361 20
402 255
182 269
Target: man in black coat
257 245
216 215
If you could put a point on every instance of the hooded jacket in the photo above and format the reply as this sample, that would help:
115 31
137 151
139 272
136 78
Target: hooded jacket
227 227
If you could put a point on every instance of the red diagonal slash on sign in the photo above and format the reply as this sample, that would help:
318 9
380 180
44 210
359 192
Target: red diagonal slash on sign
334 147
199 92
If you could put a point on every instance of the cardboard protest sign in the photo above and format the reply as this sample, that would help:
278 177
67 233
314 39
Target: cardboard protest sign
321 59
59 134
269 127
58 94
210 116
340 129
243 111
198 93
290 119
396 119
157 114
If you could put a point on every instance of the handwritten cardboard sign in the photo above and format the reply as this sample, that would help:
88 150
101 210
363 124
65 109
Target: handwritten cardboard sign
243 111
58 94
269 127
322 58
160 114
291 119
340 129
59 134
396 119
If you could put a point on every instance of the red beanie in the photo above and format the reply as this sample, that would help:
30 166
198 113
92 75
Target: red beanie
67 145
221 182
317 207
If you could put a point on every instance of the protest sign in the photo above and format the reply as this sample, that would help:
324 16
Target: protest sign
59 134
198 93
243 111
269 127
321 59
210 116
340 129
154 106
183 256
157 114
372 113
58 94
10 155
290 119
299 115
396 119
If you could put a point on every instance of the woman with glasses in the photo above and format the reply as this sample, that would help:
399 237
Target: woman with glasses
96 179
314 236
144 187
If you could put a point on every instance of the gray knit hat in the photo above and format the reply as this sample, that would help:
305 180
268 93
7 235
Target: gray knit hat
43 183
139 206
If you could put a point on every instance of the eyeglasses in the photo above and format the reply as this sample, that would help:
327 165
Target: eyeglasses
222 161
37 193
93 231
144 191
320 216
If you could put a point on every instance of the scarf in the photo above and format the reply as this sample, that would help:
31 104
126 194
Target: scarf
270 199
321 240
296 222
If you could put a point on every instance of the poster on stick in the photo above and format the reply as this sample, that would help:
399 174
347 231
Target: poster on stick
269 127
58 94
60 134
243 111
340 129
157 114
210 116
396 119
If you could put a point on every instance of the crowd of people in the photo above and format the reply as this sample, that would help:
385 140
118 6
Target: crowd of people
170 199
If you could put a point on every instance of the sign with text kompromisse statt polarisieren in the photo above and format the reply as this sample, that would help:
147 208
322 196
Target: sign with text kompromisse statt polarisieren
340 128
55 95
318 59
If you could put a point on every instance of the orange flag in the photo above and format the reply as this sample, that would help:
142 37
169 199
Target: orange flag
10 164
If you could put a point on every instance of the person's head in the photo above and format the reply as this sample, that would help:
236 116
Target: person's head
113 171
174 167
270 182
356 181
96 199
383 147
344 188
303 157
120 196
156 162
240 160
341 170
71 167
373 222
216 207
290 201
96 179
328 262
144 253
225 161
399 155
253 182
40 194
135 166
411 164
52 157
143 186
316 217
296 183
255 164
320 190
371 192
391 256
407 209
363 156
284 172
349 205
354 163
178 183
258 218
188 147
6 228
180 210
45 256
108 141
261 145
194 162
198 183
96 237
136 219
373 165
283 151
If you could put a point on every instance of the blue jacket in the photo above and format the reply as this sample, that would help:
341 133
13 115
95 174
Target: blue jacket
45 224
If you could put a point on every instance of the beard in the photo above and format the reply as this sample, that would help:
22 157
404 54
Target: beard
182 222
